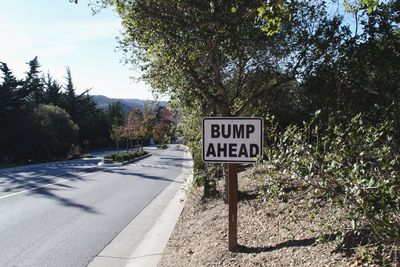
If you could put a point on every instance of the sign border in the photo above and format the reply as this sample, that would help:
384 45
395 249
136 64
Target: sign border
231 118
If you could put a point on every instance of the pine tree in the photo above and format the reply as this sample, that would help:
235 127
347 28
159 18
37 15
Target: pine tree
12 107
69 102
52 94
115 113
33 83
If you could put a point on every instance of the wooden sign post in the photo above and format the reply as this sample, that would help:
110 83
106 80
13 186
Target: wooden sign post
232 202
233 141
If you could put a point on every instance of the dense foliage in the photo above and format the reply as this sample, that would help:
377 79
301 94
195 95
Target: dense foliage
351 165
54 132
41 119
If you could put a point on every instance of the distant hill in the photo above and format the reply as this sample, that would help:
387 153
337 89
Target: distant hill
128 103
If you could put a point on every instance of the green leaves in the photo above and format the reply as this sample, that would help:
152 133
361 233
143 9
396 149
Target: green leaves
354 167
359 5
261 11
272 16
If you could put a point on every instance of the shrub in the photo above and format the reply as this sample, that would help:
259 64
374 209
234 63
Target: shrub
351 165
119 158
55 133
126 157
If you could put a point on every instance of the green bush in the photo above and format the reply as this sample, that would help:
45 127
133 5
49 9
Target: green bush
125 156
119 157
351 165
141 153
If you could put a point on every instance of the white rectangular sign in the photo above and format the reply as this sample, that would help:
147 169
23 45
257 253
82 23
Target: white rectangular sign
232 140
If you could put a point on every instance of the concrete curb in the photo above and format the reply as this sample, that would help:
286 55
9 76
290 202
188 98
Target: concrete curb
143 241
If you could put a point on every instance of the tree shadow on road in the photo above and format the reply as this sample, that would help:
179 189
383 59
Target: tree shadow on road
123 171
46 179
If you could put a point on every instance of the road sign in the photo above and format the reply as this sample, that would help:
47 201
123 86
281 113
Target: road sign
232 140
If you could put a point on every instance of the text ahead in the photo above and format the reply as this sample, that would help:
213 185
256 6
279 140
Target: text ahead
232 140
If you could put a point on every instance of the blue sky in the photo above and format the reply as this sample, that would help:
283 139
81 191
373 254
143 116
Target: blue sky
63 34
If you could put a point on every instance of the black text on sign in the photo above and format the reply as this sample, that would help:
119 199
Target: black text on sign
232 139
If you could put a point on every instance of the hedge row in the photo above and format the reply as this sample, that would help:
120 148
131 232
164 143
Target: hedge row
125 156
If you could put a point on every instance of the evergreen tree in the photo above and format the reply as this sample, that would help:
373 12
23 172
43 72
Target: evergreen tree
70 100
93 124
22 111
52 94
12 104
33 83
115 113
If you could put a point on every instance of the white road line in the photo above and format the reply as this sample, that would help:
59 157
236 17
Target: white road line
42 186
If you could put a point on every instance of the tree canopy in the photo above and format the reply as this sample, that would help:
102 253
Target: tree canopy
41 119
222 54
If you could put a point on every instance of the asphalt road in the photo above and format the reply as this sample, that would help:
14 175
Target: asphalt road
65 213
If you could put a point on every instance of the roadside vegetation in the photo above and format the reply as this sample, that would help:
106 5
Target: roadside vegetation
123 157
325 77
43 120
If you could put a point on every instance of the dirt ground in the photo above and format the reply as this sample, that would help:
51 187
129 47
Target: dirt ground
267 236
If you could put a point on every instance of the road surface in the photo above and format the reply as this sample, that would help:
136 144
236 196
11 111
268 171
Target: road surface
65 213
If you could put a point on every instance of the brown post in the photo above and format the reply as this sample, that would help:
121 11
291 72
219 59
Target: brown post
232 199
